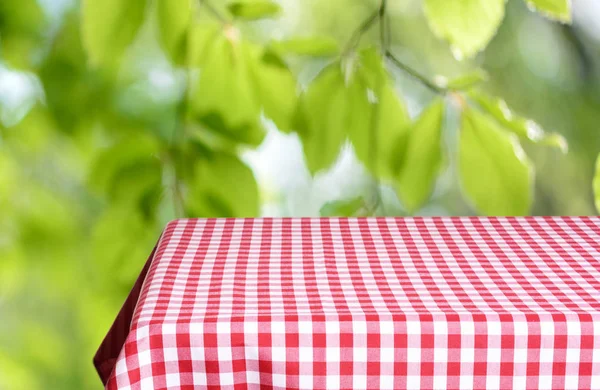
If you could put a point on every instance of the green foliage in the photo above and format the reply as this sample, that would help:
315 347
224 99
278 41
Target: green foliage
253 10
276 89
222 186
554 9
343 208
375 143
109 27
327 111
315 46
495 173
420 157
597 184
468 80
522 127
174 17
21 29
468 25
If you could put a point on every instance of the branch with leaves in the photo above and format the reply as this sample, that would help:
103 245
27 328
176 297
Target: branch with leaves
353 99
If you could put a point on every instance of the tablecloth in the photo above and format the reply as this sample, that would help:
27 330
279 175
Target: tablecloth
355 303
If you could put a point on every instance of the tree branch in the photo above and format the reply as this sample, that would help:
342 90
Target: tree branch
418 76
363 28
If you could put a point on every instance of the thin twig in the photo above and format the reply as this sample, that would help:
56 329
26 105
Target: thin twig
383 26
424 80
363 28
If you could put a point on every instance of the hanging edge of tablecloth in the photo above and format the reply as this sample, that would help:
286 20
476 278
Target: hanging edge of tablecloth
108 352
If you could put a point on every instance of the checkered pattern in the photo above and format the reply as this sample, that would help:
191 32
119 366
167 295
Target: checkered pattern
388 303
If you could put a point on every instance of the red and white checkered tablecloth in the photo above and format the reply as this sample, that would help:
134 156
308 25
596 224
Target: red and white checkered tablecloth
386 303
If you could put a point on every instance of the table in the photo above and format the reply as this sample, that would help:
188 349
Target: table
338 303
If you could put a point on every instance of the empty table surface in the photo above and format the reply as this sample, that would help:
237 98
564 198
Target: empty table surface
350 303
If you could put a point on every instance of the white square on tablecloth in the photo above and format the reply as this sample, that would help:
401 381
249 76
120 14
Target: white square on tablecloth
387 355
333 382
332 354
224 354
360 354
278 327
386 382
144 359
305 327
252 377
440 327
386 327
278 354
170 354
306 381
413 382
226 379
305 354
545 382
413 328
199 378
173 380
279 380
147 384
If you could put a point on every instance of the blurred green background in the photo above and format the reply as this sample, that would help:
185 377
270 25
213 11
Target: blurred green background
99 148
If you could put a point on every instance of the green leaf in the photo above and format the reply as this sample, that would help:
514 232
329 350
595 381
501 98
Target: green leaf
468 25
343 208
468 80
127 169
522 127
374 143
422 157
328 111
121 241
22 30
174 17
253 10
222 186
495 173
109 27
276 89
225 98
553 9
316 46
597 184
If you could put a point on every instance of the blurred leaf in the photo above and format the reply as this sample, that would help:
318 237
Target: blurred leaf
316 46
22 27
225 97
328 111
597 184
174 17
276 89
73 92
121 241
125 165
468 25
342 208
374 142
553 9
109 27
15 375
254 9
199 42
495 173
421 158
468 80
222 186
522 127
